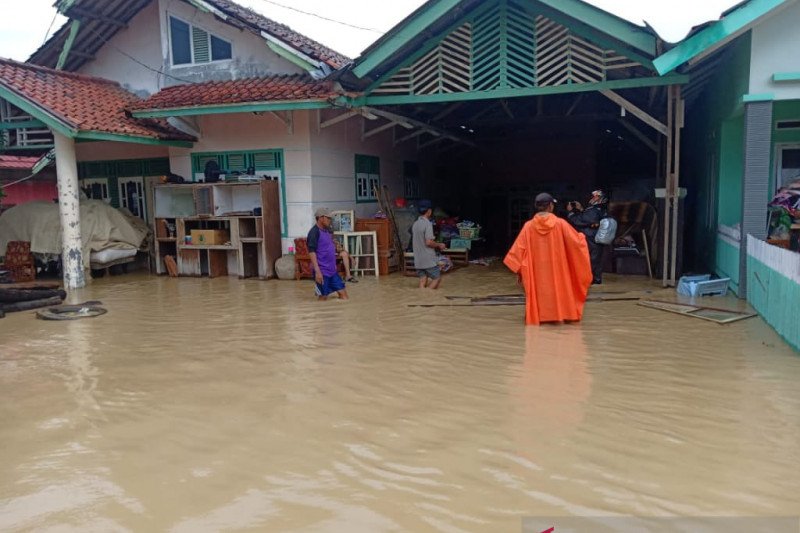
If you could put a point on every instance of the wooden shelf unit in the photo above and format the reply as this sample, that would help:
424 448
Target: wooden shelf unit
249 212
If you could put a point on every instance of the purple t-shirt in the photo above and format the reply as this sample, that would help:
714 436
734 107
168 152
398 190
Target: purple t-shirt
321 243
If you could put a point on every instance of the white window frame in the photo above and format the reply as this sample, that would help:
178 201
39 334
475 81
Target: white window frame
98 181
779 148
191 44
122 182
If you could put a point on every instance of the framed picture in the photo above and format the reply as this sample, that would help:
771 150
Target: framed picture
344 221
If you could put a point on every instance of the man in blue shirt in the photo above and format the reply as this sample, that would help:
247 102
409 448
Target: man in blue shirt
322 251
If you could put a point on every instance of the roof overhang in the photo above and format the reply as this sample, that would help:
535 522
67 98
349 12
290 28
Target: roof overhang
246 107
732 24
435 15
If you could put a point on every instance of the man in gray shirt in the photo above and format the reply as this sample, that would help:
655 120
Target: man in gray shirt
424 247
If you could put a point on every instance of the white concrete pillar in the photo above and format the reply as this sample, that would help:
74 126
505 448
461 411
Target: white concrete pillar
70 212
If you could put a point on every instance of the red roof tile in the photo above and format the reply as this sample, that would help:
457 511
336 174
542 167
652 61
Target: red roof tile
82 102
299 41
16 162
247 90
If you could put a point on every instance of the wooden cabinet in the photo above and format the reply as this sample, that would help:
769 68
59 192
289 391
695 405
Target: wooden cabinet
387 262
248 214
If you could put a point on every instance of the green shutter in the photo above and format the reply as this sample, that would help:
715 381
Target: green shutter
266 160
129 168
237 162
201 47
156 167
97 169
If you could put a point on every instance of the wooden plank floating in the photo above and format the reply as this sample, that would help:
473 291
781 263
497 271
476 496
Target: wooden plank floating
713 314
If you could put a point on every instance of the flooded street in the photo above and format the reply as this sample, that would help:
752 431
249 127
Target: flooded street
228 405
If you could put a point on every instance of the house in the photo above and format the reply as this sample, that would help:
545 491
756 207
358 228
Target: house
745 139
478 104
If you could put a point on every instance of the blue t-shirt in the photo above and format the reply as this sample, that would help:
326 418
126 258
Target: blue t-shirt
321 243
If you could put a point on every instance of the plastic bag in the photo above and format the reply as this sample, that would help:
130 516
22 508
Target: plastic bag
607 231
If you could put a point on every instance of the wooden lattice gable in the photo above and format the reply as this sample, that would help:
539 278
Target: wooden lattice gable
512 44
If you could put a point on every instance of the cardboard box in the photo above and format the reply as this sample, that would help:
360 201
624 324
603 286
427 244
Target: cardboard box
208 237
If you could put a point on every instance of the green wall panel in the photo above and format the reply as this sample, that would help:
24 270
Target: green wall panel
727 263
776 298
731 167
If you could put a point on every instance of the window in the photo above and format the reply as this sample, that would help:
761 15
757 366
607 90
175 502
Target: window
368 176
411 174
191 45
787 164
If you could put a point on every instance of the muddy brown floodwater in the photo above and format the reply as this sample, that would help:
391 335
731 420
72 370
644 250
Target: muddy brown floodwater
228 405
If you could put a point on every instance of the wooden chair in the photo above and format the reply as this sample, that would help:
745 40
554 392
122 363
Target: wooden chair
302 261
19 261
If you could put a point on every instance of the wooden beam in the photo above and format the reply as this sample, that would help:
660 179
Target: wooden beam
83 14
635 111
431 142
287 121
647 141
504 105
409 136
575 104
400 119
73 32
84 55
448 110
375 131
344 116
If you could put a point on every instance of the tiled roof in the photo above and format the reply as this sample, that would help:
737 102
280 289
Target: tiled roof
82 102
17 162
299 41
248 90
123 11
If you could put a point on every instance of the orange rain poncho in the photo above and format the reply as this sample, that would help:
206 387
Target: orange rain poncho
552 259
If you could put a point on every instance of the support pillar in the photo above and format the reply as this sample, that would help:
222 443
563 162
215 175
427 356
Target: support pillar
69 211
756 182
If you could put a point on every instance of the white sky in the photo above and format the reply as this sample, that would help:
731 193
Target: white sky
24 25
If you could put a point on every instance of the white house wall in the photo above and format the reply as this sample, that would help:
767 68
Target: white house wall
319 167
112 151
147 40
140 40
249 132
333 162
774 45
251 55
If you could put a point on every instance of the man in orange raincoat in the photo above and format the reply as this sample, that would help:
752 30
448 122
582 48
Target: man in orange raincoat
552 262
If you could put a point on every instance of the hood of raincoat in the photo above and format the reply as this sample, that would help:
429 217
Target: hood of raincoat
544 224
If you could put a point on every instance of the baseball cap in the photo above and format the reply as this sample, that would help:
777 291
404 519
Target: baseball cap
545 197
424 205
322 212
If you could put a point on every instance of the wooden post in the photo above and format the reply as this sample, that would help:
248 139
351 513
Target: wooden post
70 212
668 189
678 125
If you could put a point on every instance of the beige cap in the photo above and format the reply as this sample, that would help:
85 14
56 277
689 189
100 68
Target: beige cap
322 212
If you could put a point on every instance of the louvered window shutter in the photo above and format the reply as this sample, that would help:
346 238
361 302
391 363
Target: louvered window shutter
201 46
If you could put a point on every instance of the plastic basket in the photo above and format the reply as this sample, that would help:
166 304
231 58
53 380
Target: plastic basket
702 285
469 233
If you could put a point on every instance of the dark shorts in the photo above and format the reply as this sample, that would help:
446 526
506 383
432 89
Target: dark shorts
329 285
432 273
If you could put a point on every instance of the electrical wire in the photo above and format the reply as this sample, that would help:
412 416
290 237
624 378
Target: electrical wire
49 28
290 8
137 61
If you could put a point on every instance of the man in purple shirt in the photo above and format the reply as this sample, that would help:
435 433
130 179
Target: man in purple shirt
322 252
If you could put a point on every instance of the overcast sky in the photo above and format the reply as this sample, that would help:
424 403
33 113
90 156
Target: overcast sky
24 25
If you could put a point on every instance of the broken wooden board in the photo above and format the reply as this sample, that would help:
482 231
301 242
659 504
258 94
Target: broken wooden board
712 314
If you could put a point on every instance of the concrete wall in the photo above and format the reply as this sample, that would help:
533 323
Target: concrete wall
319 167
775 41
713 163
251 56
333 163
141 40
147 40
112 151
